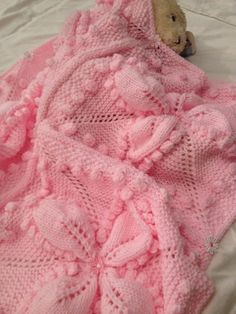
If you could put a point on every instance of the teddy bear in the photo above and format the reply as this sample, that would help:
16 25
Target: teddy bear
170 23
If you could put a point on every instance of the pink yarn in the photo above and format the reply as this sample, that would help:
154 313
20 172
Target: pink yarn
117 171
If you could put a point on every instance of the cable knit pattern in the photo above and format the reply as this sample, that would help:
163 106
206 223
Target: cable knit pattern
117 171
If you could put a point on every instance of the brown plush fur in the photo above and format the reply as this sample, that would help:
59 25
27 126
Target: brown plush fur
170 24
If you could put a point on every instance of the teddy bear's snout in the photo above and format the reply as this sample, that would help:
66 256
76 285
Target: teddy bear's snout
178 41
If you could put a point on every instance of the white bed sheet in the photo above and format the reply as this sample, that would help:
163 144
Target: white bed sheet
25 24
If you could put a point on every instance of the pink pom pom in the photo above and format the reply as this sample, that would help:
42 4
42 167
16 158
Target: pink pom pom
146 165
22 83
154 247
90 86
121 104
109 83
68 129
114 94
101 235
10 207
213 93
166 147
119 176
175 137
116 62
126 194
156 156
32 231
72 269
43 192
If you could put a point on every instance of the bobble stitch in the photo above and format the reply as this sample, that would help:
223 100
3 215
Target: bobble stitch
90 86
141 278
114 94
143 205
175 137
119 176
101 235
10 207
132 61
61 166
225 142
142 260
132 265
140 185
37 91
68 129
77 170
27 156
96 174
11 121
154 247
126 194
109 83
156 156
166 147
156 62
25 224
142 67
72 269
22 83
60 270
49 277
89 140
50 62
116 62
163 195
121 104
213 93
146 165
38 240
78 98
32 232
43 193
47 246
127 12
131 274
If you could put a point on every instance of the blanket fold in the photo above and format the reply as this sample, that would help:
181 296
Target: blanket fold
117 171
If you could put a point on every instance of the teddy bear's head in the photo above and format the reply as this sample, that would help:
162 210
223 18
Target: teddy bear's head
171 24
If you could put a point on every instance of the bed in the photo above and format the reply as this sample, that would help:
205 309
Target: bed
25 24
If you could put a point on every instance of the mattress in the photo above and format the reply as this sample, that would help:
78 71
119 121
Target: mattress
25 24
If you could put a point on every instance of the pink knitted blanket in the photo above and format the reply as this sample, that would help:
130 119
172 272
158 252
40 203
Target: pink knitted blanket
118 172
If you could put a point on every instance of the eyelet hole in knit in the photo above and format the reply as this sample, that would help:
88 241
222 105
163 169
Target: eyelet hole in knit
154 100
80 187
74 291
79 238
